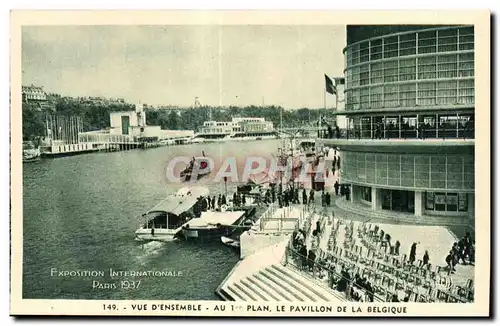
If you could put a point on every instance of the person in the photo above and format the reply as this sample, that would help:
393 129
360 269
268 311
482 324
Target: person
413 251
235 200
461 250
219 201
327 198
213 202
311 257
311 197
337 131
304 197
347 193
336 186
338 163
303 256
243 200
449 263
323 198
395 298
425 259
318 227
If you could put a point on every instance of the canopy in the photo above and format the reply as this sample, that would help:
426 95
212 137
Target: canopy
182 201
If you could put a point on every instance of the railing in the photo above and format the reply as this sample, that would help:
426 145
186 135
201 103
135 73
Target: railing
104 138
444 133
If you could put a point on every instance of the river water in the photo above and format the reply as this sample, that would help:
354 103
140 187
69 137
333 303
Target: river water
81 212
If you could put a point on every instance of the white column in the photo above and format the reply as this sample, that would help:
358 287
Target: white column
352 193
375 201
419 203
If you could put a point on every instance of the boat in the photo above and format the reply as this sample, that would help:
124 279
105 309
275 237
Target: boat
166 219
30 152
202 165
214 224
238 129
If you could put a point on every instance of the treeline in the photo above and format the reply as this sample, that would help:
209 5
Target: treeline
193 118
96 117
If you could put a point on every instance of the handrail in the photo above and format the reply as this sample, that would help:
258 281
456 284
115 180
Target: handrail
350 282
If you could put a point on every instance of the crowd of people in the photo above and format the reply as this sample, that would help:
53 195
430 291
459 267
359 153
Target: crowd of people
461 250
346 278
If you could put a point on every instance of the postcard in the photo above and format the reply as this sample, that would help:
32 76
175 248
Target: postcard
250 163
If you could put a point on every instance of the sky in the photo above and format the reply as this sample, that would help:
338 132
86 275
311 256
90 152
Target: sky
171 65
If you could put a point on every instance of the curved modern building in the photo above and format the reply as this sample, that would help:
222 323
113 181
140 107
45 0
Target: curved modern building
409 148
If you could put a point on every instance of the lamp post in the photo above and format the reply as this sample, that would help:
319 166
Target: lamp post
225 186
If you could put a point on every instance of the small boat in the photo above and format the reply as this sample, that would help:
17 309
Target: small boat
30 152
201 164
166 219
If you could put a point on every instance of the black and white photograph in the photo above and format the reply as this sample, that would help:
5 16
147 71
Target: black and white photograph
239 168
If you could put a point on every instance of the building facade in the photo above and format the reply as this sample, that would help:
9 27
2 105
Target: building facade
33 94
238 125
409 147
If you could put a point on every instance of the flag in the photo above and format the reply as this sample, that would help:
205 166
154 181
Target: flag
329 86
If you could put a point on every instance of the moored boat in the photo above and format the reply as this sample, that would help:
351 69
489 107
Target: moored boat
30 152
166 219
197 168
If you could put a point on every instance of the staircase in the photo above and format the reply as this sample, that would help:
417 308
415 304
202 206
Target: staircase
278 283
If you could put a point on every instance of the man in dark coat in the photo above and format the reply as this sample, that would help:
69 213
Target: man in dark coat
413 252
311 197
304 197
336 186
327 199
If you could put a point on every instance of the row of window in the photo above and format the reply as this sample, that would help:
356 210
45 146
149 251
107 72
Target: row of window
434 201
444 66
449 202
449 92
410 171
456 39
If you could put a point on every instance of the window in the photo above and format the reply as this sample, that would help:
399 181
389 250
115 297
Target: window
355 99
366 193
376 97
447 92
407 45
407 69
390 71
355 76
466 91
364 75
466 65
427 93
427 67
449 202
447 66
365 98
427 42
364 52
376 49
377 73
466 38
391 47
447 40
355 54
391 96
407 94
